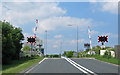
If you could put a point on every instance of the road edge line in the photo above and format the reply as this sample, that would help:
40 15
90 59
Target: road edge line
42 60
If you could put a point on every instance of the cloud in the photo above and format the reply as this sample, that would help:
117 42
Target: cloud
111 35
29 1
103 0
0 10
92 0
111 7
57 23
27 35
20 13
58 36
93 32
59 0
55 46
79 41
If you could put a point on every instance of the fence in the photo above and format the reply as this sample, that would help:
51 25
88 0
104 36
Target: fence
28 53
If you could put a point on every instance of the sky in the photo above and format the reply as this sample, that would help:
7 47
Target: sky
55 17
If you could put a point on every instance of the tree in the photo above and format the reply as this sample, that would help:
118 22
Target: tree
97 49
17 38
110 49
107 54
7 43
11 42
26 48
70 54
64 54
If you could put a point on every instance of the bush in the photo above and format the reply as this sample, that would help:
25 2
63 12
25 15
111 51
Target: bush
27 56
51 56
107 54
87 55
56 56
37 56
70 54
47 55
32 55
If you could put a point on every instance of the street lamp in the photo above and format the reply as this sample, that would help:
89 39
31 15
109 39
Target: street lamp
61 49
76 38
46 41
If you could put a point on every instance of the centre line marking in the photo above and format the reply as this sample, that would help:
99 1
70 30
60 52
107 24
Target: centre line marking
83 69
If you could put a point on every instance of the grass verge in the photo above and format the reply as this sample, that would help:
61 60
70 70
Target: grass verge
20 65
110 60
105 59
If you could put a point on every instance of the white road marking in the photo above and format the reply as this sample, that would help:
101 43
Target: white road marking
79 66
54 58
82 67
35 65
42 60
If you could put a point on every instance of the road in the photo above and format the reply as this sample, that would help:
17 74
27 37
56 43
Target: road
82 66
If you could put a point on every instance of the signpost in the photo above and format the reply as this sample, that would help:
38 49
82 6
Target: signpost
31 40
39 48
42 51
87 45
102 39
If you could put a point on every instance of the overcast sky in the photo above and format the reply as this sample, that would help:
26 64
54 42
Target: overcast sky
102 17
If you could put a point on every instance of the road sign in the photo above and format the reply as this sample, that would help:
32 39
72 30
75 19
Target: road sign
31 39
86 45
42 51
102 38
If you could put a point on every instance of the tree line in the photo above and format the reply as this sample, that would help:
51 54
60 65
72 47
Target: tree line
83 53
11 42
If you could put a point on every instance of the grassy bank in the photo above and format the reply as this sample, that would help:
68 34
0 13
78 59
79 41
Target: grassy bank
20 65
109 60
